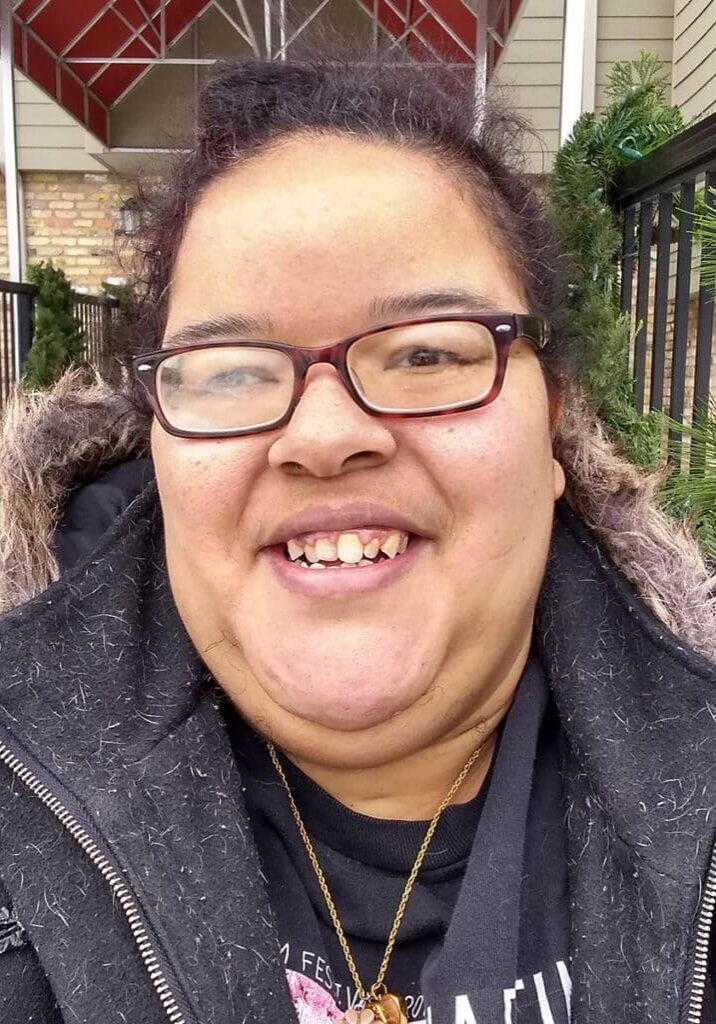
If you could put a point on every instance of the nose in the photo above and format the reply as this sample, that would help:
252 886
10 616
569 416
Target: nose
329 434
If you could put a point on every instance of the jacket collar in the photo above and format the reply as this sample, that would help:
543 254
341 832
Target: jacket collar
637 705
127 723
127 726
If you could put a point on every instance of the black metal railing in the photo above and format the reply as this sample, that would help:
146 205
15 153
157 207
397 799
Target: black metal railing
96 314
662 286
17 311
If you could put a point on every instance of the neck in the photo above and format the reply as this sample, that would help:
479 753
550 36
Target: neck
413 787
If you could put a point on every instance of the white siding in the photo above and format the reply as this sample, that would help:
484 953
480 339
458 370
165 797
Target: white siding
158 110
48 138
624 29
694 71
529 72
528 77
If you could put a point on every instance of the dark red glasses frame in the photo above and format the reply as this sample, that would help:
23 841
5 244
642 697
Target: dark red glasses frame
504 327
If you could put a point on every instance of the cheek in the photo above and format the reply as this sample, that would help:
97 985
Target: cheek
204 487
494 467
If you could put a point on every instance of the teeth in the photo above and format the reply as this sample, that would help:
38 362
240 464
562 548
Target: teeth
346 552
349 548
391 546
295 550
326 550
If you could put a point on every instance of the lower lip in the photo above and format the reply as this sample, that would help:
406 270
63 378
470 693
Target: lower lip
340 582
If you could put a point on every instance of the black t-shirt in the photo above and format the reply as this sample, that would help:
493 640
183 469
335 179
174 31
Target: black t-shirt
485 935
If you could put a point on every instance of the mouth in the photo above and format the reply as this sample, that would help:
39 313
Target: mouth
375 558
350 549
377 544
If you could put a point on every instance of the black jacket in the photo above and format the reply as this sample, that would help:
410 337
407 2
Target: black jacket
127 857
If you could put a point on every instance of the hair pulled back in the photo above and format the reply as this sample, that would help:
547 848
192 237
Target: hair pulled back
247 106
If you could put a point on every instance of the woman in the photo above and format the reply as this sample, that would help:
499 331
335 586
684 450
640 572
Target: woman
353 715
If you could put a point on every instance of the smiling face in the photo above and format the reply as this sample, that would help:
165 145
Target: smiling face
308 244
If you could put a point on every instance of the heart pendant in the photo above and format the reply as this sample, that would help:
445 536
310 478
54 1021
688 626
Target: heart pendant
365 1016
390 1009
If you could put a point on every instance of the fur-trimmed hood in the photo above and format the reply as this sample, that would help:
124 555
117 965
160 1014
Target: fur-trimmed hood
52 442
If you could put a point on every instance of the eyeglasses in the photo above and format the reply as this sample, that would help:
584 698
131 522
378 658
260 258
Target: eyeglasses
430 366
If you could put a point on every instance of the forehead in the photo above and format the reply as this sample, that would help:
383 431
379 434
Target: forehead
316 231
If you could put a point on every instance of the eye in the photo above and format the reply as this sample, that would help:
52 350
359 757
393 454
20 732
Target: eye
239 377
426 356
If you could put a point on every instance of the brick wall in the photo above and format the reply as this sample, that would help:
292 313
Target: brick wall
71 218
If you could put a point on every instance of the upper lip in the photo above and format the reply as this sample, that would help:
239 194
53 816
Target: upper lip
330 518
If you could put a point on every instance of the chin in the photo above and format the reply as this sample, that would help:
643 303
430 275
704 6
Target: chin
344 701
357 718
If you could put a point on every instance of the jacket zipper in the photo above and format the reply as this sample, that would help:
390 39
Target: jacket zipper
698 972
112 876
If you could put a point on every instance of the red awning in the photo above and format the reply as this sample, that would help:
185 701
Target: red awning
50 33
444 30
86 54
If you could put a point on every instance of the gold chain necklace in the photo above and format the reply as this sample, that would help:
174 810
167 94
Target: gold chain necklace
376 1003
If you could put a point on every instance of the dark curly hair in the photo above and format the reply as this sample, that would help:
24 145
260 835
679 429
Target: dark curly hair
249 105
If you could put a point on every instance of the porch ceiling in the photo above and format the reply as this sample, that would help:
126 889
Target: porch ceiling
87 54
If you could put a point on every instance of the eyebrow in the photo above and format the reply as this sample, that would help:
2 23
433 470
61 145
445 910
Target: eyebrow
234 325
433 301
237 325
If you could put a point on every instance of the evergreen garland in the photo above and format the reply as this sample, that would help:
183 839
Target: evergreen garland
705 233
58 342
691 494
637 120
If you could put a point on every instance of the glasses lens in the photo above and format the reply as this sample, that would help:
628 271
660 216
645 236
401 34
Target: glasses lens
224 388
424 366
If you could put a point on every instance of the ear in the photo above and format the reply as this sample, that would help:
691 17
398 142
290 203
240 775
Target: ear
555 398
560 481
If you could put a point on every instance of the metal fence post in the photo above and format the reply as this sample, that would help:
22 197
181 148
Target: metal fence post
661 302
642 303
704 336
627 269
680 335
105 353
25 305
